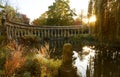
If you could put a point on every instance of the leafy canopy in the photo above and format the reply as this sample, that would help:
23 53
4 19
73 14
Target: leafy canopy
60 14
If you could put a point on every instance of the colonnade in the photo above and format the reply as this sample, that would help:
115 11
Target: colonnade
20 30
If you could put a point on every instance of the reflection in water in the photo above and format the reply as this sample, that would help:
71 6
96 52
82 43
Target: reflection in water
99 61
81 64
107 62
56 47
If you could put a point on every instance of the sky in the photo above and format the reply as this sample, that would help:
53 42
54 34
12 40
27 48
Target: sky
34 8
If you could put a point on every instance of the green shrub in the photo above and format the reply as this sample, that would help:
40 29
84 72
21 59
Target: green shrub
31 68
3 53
35 63
1 73
49 67
30 40
26 74
3 40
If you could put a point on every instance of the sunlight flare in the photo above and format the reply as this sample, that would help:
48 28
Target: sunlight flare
92 19
85 20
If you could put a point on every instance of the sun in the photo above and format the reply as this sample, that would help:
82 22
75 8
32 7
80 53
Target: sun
92 19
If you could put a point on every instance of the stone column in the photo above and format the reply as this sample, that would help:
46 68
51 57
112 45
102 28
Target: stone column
21 32
78 31
67 69
35 32
45 33
15 32
48 32
25 32
61 34
72 32
38 31
12 32
8 32
42 33
55 35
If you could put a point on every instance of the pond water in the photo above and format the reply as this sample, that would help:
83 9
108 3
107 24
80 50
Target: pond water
98 62
83 60
92 61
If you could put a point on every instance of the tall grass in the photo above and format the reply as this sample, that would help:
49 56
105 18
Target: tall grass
49 67
13 62
33 63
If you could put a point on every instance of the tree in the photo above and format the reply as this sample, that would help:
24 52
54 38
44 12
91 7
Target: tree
77 21
107 26
36 22
21 18
41 20
1 11
90 13
10 11
60 14
3 3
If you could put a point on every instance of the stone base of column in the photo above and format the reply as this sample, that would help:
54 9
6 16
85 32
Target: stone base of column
67 72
